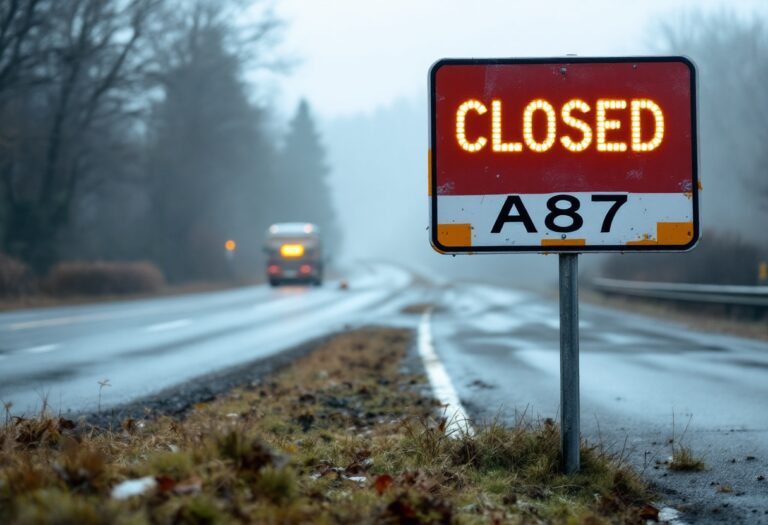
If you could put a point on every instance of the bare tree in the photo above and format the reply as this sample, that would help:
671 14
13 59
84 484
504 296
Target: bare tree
81 81
22 26
732 54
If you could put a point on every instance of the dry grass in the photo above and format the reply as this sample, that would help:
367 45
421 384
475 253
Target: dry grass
15 278
417 308
89 278
694 318
684 460
343 436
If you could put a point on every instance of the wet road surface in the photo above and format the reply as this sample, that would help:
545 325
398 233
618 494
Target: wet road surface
644 381
144 346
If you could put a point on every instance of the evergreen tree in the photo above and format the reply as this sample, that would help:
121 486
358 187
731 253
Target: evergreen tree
303 186
210 165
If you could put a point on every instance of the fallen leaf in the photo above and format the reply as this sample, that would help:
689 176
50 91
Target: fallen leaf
649 512
382 483
725 489
165 484
358 467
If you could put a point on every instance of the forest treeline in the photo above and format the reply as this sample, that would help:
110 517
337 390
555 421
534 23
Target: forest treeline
731 54
129 132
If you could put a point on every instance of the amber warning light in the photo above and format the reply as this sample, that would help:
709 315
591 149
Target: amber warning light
563 155
292 250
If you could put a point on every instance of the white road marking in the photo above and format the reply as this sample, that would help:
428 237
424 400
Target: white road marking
42 349
56 321
442 387
171 325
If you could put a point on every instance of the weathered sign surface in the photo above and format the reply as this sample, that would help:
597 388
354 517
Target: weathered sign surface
563 155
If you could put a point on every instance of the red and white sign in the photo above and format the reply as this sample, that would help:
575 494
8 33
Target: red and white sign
563 155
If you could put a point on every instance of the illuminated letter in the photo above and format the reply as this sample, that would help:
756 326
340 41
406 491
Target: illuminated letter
603 125
658 116
578 124
461 134
496 131
546 107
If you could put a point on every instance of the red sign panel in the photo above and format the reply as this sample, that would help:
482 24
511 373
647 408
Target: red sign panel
571 154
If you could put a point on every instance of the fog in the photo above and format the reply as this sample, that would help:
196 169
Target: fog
379 158
164 130
380 178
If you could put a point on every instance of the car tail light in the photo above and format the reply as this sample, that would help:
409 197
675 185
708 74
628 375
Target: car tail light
305 268
273 269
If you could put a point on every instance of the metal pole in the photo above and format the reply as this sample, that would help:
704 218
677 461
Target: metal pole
569 362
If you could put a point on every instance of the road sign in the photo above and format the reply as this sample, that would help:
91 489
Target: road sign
563 155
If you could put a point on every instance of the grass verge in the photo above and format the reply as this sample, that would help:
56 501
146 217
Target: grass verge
342 436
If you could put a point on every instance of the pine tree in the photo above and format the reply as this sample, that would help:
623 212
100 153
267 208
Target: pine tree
210 165
303 186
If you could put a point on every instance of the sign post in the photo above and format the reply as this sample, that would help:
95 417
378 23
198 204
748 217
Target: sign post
563 155
569 362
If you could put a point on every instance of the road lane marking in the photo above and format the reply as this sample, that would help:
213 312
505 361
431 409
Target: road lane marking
56 321
41 349
442 387
171 325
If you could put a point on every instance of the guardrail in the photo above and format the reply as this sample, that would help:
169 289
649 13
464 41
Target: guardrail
714 294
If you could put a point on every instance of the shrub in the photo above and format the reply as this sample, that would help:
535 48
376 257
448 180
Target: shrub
15 277
103 278
718 259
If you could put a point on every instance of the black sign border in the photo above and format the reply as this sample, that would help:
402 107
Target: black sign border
562 249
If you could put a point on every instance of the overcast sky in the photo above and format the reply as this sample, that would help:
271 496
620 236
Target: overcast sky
357 55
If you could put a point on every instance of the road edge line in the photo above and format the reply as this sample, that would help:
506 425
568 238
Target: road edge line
442 388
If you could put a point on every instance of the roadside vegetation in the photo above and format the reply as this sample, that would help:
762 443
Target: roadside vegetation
684 460
719 259
76 281
704 319
107 148
343 436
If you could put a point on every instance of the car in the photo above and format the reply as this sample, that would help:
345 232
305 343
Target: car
294 254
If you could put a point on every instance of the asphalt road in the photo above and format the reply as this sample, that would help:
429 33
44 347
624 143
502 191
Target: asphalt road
145 346
644 382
